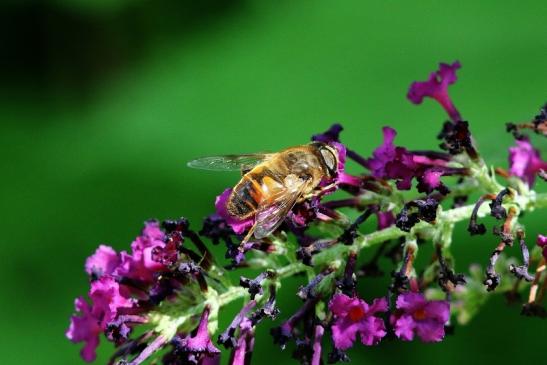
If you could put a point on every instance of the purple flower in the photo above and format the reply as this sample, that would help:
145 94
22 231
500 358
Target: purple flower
243 350
239 226
199 346
391 162
103 262
525 161
140 264
108 297
342 177
416 315
354 315
107 300
330 135
430 180
436 87
84 328
542 242
316 347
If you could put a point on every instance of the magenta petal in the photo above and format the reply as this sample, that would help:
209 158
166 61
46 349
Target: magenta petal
84 328
436 87
238 226
339 304
200 342
103 262
438 310
404 327
354 315
107 299
372 330
385 219
391 162
432 178
410 301
151 236
525 161
542 242
430 330
344 333
378 305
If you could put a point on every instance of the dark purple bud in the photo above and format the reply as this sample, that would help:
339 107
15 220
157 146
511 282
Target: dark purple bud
448 279
330 135
474 228
521 271
515 131
284 333
243 350
347 283
333 135
400 279
303 351
427 209
350 234
195 271
405 220
400 282
227 338
309 291
176 225
417 210
268 310
540 121
492 278
119 329
305 254
216 229
457 139
338 356
164 287
254 286
496 207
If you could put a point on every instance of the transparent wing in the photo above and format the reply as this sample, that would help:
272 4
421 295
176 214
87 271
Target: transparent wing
271 214
229 162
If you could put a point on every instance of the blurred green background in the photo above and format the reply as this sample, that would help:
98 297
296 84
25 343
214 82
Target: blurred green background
103 102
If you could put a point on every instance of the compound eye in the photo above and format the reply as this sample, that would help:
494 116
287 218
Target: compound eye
329 159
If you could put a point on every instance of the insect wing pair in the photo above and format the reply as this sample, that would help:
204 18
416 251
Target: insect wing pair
271 212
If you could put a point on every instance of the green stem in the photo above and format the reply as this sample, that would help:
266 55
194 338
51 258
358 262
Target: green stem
168 322
446 217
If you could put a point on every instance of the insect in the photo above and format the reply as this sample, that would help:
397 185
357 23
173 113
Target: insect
273 183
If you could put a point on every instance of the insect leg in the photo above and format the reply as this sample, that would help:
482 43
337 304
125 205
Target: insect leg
249 234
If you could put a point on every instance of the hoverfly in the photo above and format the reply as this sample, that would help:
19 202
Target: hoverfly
273 183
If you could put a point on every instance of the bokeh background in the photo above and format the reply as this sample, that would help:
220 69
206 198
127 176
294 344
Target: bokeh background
103 102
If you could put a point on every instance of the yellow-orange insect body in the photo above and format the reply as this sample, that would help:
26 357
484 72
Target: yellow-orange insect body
273 183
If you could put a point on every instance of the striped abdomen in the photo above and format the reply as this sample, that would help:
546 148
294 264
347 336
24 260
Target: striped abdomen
257 186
